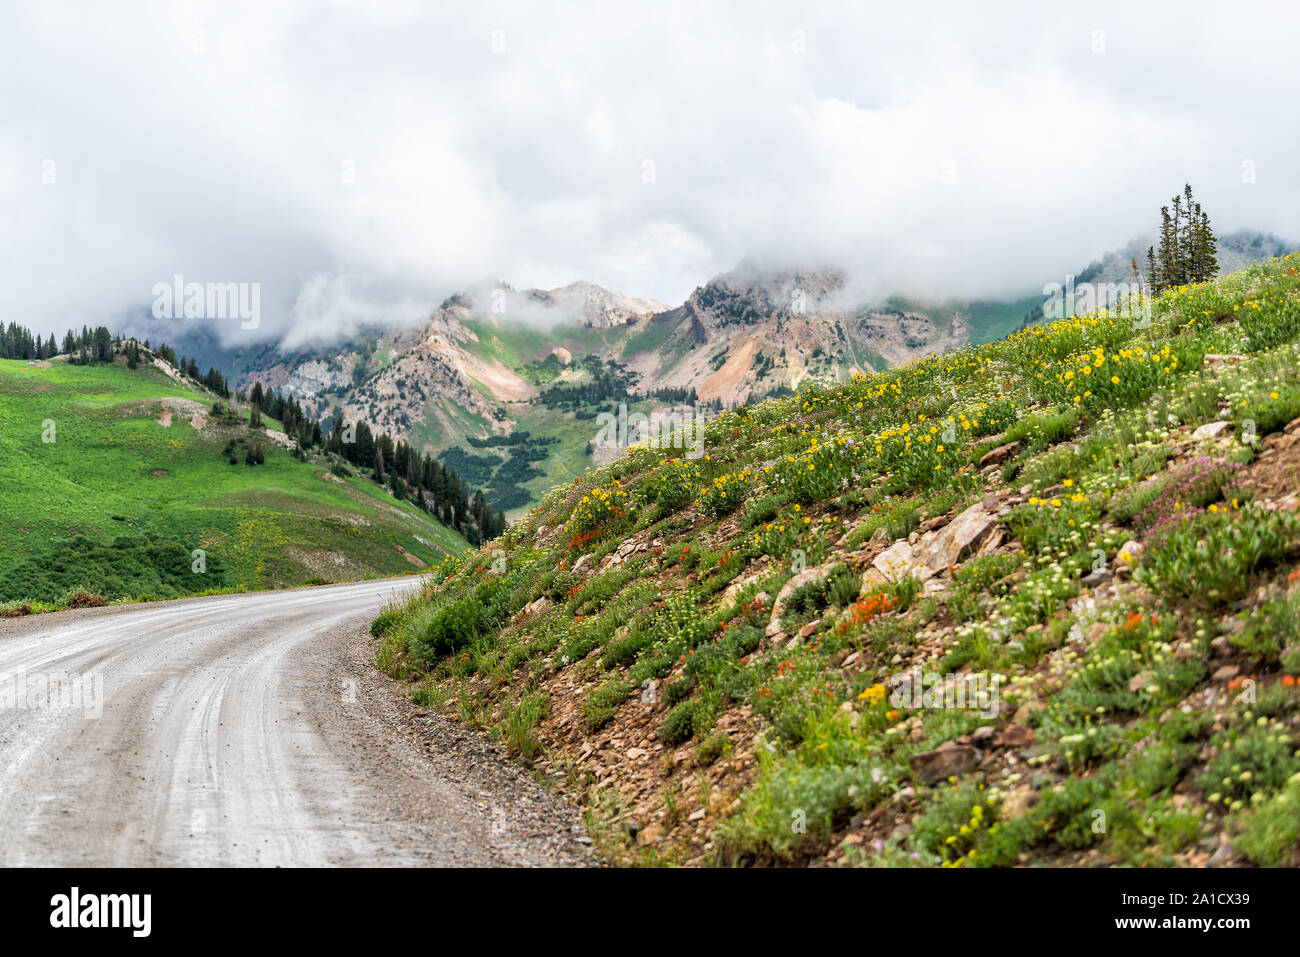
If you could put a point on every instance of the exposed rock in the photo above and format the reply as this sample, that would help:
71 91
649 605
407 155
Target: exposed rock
1000 454
958 538
1017 803
898 561
1140 681
1224 854
736 587
1214 360
1129 554
1026 709
1225 673
1016 736
798 581
948 760
931 524
1210 430
993 541
1095 578
873 577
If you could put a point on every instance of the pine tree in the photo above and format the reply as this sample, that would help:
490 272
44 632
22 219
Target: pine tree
1187 251
1208 266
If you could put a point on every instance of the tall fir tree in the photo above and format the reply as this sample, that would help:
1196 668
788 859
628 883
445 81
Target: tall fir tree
1187 251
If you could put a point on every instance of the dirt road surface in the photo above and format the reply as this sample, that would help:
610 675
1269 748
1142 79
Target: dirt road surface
247 730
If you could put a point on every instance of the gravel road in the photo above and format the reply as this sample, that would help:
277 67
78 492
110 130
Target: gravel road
247 730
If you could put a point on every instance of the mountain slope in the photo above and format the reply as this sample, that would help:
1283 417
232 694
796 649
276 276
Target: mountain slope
135 476
1031 602
482 382
755 331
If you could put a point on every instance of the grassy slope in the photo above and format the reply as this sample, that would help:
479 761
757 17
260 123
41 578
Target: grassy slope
114 471
1121 700
515 345
987 320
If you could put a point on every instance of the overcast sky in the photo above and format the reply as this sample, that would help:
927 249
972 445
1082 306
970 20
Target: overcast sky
364 160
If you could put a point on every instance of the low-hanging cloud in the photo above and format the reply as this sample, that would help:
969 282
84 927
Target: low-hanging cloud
362 161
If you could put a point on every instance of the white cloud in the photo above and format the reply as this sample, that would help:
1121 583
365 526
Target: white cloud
427 149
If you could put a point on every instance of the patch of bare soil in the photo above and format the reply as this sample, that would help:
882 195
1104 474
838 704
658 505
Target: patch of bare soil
725 382
669 798
413 559
323 563
1274 476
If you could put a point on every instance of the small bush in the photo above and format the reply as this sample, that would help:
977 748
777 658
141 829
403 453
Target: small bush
711 748
386 620
679 726
519 727
83 598
599 707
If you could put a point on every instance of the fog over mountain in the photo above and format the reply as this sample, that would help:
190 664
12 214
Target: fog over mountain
364 161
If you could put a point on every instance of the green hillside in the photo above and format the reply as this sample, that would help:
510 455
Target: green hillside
1031 602
118 502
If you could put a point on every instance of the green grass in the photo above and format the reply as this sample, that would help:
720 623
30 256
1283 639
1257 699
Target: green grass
118 503
1130 753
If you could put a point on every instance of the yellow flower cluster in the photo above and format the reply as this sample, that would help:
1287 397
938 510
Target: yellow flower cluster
726 493
598 507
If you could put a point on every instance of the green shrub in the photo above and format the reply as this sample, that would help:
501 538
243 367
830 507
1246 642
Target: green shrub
679 726
519 726
458 623
599 707
1211 559
1044 429
671 485
1272 830
711 748
679 690
1258 759
385 621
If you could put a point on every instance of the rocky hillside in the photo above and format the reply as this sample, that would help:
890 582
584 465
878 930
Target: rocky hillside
1031 602
477 369
491 362
590 305
753 332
